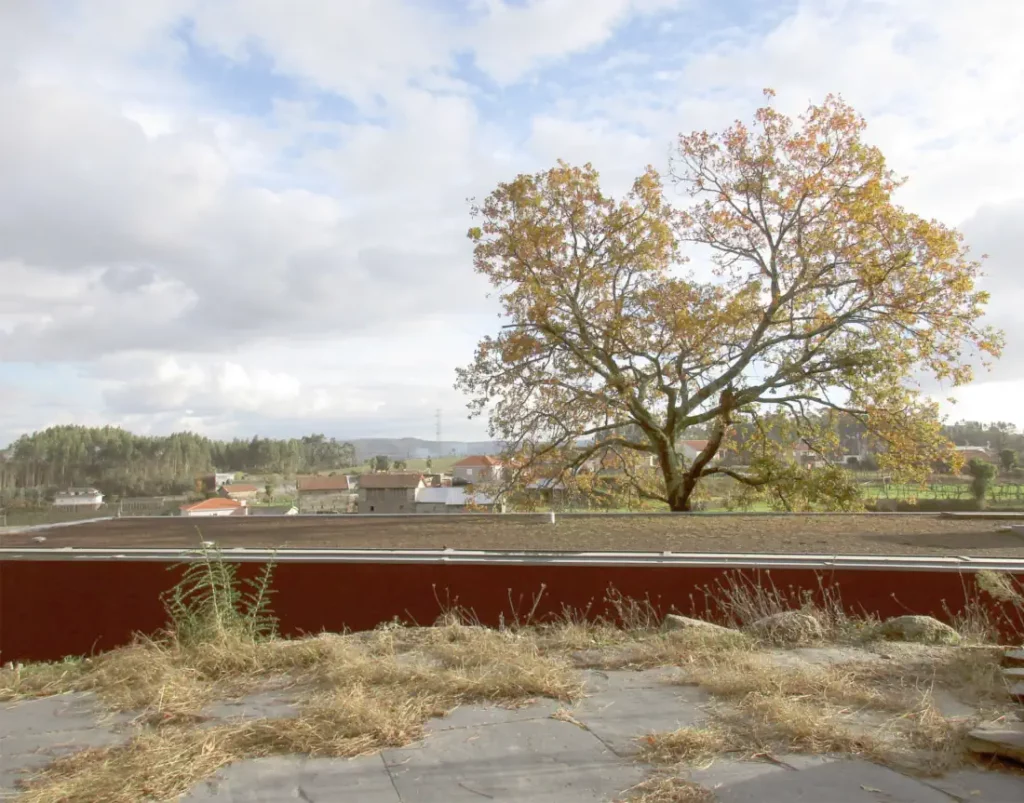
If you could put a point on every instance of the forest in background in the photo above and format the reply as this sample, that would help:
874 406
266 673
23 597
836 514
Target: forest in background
124 464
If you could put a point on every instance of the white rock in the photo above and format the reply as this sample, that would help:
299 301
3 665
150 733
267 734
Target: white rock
788 627
674 622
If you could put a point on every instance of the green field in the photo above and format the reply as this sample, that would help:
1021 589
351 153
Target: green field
438 465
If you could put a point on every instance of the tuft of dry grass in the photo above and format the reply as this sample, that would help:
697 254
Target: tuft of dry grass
741 602
737 674
668 788
39 679
694 746
883 710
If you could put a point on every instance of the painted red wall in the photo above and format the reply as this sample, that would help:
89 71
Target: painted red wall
50 609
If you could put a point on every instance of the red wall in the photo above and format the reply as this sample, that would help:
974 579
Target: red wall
53 608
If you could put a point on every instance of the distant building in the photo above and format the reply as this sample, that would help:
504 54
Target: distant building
690 449
437 480
969 453
335 494
240 490
453 500
211 482
389 493
216 506
478 468
79 499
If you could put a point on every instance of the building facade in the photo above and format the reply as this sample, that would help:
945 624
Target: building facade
79 499
240 490
334 494
478 468
389 492
454 500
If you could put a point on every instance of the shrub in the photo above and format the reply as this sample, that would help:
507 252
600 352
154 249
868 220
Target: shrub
982 473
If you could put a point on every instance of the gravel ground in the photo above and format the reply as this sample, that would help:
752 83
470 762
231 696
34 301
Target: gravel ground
861 534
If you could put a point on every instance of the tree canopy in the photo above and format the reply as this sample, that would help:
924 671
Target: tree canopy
822 297
119 462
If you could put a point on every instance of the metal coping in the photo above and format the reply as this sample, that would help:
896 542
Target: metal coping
960 563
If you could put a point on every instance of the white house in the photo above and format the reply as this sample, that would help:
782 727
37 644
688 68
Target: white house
216 506
451 500
79 499
478 468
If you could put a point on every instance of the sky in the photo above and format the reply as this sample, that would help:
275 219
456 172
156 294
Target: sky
249 216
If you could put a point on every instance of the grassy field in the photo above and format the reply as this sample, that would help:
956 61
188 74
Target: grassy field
864 534
357 694
437 465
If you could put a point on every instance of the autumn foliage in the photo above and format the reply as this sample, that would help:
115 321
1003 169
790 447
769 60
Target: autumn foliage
821 297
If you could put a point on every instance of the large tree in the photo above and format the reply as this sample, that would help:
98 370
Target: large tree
822 297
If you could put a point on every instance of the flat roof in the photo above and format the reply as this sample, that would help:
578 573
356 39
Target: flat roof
806 534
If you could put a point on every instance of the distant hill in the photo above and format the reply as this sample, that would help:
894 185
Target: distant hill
417 447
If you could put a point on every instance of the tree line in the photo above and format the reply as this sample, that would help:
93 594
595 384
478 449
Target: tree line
121 463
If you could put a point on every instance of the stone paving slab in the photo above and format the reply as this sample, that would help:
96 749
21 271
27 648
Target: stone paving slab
469 716
314 780
831 782
540 761
34 732
981 786
627 705
274 704
730 772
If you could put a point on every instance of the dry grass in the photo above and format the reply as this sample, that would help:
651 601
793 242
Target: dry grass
359 696
742 601
882 710
668 788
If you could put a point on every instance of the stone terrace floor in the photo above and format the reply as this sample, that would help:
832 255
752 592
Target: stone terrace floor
497 754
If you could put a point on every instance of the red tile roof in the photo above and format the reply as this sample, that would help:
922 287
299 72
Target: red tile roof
475 460
216 503
697 446
397 480
338 482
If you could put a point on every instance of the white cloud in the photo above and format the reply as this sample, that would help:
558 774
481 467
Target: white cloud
176 262
512 40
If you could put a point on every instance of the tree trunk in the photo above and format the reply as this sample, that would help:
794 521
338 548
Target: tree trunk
678 486
679 497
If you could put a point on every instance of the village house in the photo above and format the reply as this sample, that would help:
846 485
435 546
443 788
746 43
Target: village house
79 499
216 506
334 494
690 449
478 469
437 480
969 453
454 500
211 482
240 490
389 493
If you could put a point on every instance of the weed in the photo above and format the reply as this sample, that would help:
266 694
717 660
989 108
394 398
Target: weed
209 603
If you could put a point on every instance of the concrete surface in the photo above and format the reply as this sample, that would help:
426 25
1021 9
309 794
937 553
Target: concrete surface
483 753
35 732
